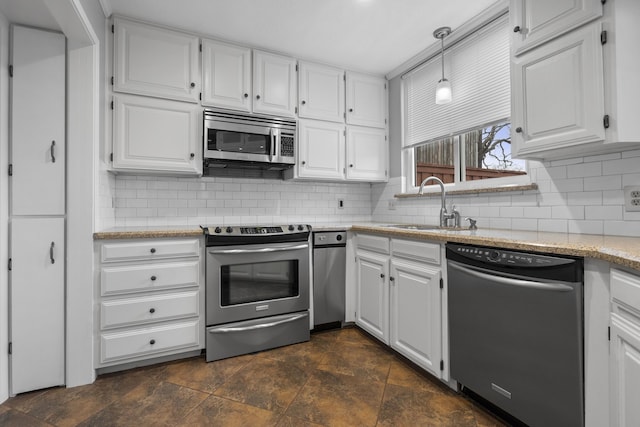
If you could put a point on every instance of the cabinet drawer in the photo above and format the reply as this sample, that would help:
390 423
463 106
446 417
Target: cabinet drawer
625 288
152 249
373 243
138 278
136 311
146 341
417 251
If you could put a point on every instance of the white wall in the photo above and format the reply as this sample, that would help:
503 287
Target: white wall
157 201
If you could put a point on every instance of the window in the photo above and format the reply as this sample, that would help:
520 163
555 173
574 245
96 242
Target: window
467 141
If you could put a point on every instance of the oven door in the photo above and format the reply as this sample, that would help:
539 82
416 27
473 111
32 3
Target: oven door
251 281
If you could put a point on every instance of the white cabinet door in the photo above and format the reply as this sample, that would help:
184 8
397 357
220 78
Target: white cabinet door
366 100
537 21
321 92
37 140
367 151
415 314
625 371
37 303
274 84
156 135
320 150
372 310
558 95
226 75
155 61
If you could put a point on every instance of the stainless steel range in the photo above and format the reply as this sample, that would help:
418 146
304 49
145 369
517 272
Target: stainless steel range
257 288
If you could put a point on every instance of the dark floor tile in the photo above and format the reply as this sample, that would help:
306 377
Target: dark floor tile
199 375
354 358
356 336
287 421
14 418
160 404
217 411
265 383
307 355
333 399
404 375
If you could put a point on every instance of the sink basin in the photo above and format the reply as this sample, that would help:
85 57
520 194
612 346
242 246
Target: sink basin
416 227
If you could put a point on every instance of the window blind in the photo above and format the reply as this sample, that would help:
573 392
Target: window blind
478 69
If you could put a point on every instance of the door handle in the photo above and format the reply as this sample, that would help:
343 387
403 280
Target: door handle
257 251
53 153
258 326
53 260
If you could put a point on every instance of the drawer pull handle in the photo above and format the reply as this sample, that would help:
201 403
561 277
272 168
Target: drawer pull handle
152 310
153 250
152 342
153 278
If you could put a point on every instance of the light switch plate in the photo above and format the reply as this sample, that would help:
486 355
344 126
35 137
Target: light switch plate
632 198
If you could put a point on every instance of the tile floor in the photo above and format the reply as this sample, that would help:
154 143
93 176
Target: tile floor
339 378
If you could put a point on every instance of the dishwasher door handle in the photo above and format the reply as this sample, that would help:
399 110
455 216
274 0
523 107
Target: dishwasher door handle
543 286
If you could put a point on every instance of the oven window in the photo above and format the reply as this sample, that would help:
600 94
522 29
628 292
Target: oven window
238 142
255 282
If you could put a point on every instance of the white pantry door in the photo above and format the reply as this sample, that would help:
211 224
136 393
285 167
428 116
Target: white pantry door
37 303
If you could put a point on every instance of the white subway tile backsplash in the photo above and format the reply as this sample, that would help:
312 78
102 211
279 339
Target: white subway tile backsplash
606 212
622 166
611 182
584 169
553 225
586 227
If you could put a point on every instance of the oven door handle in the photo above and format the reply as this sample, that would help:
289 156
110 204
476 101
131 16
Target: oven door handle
546 286
258 326
257 251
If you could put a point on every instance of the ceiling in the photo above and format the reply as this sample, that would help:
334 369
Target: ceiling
373 36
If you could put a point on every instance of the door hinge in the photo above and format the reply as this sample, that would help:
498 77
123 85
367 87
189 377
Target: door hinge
111 80
345 115
385 172
441 283
111 157
200 47
603 37
200 96
113 28
442 365
112 105
609 333
10 347
344 133
296 68
10 264
605 121
10 70
603 1
296 110
10 170
385 86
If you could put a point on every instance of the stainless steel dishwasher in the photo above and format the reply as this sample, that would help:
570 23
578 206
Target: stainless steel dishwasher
516 331
329 264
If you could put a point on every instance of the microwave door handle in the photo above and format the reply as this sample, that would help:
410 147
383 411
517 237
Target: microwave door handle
273 135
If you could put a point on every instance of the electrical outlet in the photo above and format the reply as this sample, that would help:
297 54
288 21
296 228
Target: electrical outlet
392 205
632 198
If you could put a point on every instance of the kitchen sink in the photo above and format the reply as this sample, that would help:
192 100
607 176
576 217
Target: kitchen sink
425 227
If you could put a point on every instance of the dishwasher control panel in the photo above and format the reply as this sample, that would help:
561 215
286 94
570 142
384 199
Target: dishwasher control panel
507 257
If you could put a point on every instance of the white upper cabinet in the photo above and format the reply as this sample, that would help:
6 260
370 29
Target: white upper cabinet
366 100
152 134
154 61
558 99
274 84
226 75
321 148
37 143
367 154
321 92
536 21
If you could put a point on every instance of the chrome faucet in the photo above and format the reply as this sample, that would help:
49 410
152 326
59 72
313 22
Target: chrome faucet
444 215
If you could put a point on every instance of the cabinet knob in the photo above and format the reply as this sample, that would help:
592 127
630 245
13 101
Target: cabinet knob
304 102
392 279
193 84
153 250
351 165
153 278
246 95
516 29
304 163
257 96
152 310
152 342
351 110
382 275
518 129
192 155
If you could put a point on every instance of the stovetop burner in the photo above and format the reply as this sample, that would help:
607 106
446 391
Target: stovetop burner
243 234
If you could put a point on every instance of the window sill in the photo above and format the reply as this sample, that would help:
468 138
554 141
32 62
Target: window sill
499 189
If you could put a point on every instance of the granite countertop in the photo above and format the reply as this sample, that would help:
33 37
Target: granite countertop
624 251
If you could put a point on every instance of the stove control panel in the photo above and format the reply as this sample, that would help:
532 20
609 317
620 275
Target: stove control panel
272 230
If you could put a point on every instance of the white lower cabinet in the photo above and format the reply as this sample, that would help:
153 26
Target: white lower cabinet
150 299
625 349
399 297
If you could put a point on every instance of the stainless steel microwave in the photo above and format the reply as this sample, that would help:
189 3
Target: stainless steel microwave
237 138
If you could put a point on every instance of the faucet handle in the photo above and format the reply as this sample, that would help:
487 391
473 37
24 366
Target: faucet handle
472 223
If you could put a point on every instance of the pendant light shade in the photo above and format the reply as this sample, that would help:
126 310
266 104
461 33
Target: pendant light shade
443 89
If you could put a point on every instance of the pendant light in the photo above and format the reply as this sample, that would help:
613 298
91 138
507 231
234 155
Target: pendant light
443 89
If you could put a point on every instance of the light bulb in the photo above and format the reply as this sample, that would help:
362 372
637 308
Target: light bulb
443 92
